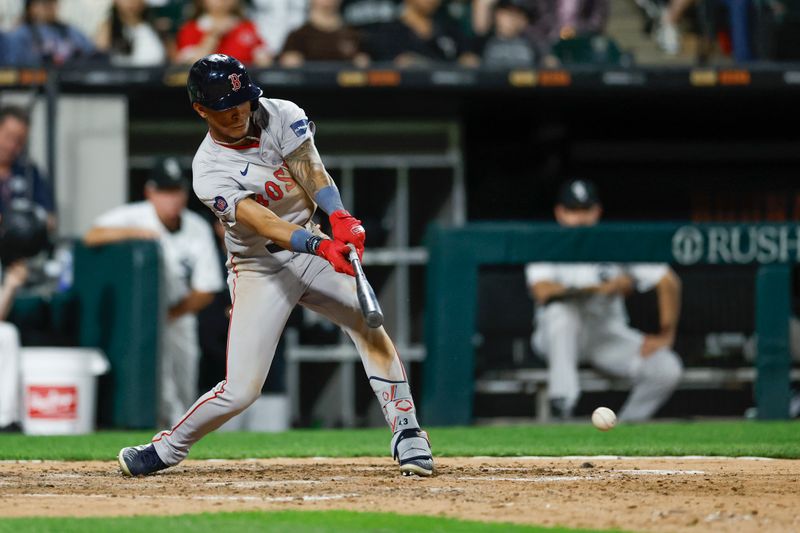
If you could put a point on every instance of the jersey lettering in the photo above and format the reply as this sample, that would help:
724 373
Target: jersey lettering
273 190
261 200
282 174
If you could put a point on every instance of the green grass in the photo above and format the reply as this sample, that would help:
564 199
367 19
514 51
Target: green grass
288 521
768 439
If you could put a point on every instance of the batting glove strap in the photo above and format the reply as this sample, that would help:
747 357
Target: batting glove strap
312 244
305 242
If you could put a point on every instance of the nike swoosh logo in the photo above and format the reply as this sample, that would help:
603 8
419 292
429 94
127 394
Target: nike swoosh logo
244 172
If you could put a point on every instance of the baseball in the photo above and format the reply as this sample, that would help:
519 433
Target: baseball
604 418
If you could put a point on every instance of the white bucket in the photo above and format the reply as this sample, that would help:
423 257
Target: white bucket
60 389
269 413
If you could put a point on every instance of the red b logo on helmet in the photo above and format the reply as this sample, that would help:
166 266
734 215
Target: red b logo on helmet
236 84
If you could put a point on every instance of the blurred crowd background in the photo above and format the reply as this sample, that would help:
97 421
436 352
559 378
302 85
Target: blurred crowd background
407 33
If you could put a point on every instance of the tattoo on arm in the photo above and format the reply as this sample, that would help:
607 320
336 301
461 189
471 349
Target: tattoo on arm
307 169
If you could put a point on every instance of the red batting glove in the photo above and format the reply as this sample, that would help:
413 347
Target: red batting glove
335 253
348 229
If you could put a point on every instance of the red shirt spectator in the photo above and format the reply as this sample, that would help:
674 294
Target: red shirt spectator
240 42
219 26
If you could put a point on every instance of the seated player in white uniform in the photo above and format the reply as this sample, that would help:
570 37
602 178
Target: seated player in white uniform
581 317
14 278
192 275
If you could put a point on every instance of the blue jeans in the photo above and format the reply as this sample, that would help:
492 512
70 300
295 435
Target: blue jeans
739 13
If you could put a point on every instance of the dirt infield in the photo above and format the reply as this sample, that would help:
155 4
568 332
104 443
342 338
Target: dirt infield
643 494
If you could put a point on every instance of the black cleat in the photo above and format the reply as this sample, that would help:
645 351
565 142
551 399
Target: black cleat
140 460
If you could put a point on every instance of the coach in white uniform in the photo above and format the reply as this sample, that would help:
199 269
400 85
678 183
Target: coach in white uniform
191 271
581 317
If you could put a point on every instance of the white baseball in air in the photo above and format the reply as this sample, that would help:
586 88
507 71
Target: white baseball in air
604 418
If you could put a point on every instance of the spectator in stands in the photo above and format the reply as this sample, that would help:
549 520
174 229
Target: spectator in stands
10 372
219 26
42 39
129 38
581 317
87 16
508 46
668 35
275 19
325 37
567 19
418 38
191 270
10 14
483 16
19 178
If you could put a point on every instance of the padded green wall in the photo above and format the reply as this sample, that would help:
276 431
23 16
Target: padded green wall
118 293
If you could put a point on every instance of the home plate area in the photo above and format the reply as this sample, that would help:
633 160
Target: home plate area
634 494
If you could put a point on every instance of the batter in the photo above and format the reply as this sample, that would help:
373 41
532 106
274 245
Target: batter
258 170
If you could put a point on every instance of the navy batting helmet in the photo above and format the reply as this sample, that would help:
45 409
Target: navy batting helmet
220 82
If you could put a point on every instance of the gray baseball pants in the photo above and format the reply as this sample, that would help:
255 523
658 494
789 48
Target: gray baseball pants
264 291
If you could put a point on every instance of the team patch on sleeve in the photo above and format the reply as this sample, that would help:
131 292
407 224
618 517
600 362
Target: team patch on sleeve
300 127
220 204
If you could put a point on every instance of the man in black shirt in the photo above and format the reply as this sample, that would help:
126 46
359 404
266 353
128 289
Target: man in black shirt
418 38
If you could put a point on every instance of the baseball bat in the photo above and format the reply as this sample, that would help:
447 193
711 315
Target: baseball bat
370 307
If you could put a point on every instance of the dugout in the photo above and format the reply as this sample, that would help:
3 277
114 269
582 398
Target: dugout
457 254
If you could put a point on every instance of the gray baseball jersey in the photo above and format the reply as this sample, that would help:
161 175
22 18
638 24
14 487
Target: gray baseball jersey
266 283
223 176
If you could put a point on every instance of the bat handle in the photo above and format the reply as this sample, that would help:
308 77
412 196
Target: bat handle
353 255
370 307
